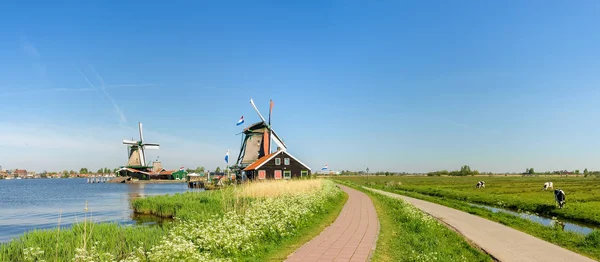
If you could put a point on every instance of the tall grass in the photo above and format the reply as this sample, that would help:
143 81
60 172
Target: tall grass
272 188
189 205
54 245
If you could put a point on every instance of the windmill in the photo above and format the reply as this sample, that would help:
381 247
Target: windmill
256 141
136 150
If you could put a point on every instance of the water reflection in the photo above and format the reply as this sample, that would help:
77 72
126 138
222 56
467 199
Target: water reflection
29 204
568 226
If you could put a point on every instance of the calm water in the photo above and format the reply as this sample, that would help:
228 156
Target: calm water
26 204
569 226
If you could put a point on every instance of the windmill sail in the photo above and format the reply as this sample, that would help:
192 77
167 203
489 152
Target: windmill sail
257 138
137 153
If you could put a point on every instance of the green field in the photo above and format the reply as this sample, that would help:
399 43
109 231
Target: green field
511 192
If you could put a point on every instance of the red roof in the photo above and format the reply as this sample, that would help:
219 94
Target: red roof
260 161
167 172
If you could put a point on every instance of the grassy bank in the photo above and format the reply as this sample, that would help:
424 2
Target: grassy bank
255 222
407 234
588 245
108 240
185 206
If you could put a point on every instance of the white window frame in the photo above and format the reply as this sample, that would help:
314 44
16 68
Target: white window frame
289 176
303 173
278 161
264 172
286 161
275 174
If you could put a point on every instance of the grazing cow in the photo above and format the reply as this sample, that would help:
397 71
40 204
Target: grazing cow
559 196
480 184
548 185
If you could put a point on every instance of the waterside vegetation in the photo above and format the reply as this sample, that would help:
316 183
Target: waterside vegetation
242 223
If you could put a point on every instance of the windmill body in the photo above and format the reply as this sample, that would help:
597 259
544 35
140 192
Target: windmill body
257 139
136 164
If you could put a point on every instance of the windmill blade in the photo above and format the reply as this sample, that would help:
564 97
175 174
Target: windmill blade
278 141
261 117
130 142
142 156
151 144
151 147
141 134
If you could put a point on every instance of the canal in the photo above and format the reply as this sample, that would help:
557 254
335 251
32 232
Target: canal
28 204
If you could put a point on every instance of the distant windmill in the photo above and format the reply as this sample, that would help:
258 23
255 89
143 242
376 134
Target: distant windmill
136 150
256 142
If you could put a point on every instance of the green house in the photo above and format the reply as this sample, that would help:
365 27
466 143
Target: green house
179 175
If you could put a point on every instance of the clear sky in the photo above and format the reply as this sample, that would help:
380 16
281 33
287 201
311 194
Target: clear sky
411 86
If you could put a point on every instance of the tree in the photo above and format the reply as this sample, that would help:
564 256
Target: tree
218 170
577 171
72 172
65 173
585 171
199 169
83 170
531 171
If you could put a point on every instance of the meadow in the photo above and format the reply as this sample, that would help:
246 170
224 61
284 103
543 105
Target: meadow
241 223
511 192
418 187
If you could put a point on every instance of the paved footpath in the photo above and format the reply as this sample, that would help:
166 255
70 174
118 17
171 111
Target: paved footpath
351 237
502 242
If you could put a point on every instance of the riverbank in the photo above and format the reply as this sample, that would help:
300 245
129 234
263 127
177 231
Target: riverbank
238 223
584 244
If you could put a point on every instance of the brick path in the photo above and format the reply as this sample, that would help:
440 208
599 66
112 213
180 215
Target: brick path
351 237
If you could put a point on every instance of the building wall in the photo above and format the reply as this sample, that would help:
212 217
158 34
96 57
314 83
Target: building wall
295 167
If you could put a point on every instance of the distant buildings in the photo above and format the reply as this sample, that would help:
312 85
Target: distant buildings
22 173
1 168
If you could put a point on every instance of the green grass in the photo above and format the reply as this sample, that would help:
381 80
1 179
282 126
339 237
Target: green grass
189 205
407 234
587 245
512 192
61 245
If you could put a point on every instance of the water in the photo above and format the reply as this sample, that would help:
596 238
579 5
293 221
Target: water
27 204
568 226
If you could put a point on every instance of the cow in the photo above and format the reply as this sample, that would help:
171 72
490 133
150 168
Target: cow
480 184
548 185
559 196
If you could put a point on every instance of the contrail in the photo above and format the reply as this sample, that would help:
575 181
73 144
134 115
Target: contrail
46 90
122 118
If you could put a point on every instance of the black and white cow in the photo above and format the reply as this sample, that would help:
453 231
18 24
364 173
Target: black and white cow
480 184
559 196
548 185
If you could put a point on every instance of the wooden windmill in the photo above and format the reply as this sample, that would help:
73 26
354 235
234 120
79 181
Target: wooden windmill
136 151
256 141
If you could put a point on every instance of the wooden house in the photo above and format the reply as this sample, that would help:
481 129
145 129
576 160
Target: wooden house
277 165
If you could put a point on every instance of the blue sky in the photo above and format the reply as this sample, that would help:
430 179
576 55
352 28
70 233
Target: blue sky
409 86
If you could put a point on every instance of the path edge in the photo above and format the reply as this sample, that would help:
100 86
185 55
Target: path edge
471 243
